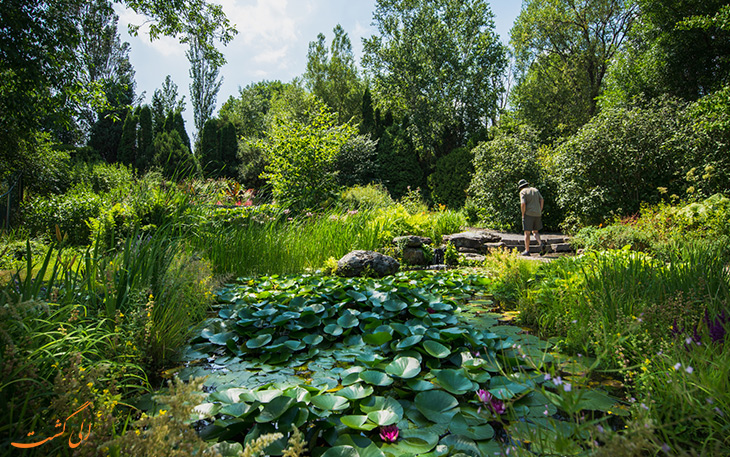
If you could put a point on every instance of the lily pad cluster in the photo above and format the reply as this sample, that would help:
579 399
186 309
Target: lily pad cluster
386 367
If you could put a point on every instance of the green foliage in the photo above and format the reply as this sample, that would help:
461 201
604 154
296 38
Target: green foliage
218 149
437 63
398 162
127 153
164 101
144 139
332 76
499 165
366 197
303 158
453 174
172 155
100 176
250 111
69 212
357 162
564 51
644 147
670 54
205 81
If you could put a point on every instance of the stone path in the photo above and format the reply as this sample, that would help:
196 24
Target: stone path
473 243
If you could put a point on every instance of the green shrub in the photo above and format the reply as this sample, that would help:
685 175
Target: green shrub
357 162
69 212
499 165
398 162
644 149
101 176
453 174
366 197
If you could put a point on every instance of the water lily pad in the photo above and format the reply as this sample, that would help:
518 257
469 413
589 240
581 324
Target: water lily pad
355 392
313 339
404 367
341 451
348 320
436 349
329 402
394 305
408 342
274 409
384 417
259 341
358 422
377 339
455 381
295 345
333 329
376 378
437 405
357 296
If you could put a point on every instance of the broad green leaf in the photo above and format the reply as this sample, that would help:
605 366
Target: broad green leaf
436 349
455 381
222 338
313 339
356 295
274 409
383 417
376 378
348 321
259 341
404 367
355 392
377 339
408 342
394 305
358 422
295 345
341 451
437 405
333 329
330 402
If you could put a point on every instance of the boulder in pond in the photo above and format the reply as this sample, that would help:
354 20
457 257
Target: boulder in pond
359 263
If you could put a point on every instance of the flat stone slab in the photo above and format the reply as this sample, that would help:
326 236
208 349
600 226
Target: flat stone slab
471 239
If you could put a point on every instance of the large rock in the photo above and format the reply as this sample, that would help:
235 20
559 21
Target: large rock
473 241
357 263
411 241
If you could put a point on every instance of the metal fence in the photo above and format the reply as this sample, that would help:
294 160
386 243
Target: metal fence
9 201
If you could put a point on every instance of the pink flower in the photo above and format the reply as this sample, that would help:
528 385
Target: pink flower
389 434
498 406
248 202
484 396
218 202
238 203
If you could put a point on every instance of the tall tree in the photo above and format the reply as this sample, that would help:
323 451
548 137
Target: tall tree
164 101
332 76
204 73
40 85
439 63
664 56
562 44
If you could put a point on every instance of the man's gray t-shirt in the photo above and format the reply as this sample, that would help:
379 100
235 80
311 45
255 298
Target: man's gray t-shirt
531 198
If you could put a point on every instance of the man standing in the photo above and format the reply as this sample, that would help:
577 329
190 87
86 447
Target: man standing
531 203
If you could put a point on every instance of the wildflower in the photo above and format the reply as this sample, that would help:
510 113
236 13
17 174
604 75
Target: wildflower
547 376
666 448
248 202
567 387
677 366
599 428
352 213
689 369
389 434
163 412
558 380
645 407
309 214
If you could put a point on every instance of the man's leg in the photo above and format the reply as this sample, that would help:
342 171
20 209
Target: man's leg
527 243
537 236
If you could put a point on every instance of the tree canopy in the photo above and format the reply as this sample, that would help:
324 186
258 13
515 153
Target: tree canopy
438 63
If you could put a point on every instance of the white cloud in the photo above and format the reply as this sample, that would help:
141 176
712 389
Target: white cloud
271 56
165 46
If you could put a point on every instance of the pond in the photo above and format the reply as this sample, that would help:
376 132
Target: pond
413 364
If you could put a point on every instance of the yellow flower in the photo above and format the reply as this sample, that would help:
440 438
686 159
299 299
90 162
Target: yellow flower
163 412
137 432
89 385
82 369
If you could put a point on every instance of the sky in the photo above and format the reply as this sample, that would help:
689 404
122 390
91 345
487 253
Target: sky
271 44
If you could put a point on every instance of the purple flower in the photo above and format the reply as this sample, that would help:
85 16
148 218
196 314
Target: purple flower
567 387
498 406
484 396
389 434
717 327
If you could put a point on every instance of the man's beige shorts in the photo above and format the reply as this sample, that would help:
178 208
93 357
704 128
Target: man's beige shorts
531 223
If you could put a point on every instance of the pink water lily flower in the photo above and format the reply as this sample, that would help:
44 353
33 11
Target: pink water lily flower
389 434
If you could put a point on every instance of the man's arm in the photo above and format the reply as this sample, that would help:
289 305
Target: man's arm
542 203
523 206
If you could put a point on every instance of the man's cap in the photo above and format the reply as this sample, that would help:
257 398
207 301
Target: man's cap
522 183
